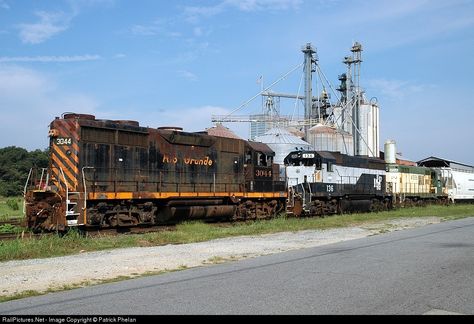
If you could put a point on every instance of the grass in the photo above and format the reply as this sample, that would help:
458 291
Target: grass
11 207
190 232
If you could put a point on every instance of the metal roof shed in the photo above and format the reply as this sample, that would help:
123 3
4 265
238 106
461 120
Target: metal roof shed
436 162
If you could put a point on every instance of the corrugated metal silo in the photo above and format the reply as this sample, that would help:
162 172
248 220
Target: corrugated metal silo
327 138
282 142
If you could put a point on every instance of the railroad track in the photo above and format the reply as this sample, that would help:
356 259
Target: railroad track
23 236
90 233
127 231
12 221
96 233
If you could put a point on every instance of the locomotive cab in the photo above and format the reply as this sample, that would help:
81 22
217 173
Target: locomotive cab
261 174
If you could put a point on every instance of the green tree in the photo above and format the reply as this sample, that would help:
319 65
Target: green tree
15 164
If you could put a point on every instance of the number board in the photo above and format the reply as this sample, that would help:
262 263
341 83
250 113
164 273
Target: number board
63 141
263 173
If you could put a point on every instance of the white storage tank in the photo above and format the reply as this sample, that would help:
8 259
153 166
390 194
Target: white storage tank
323 138
342 119
345 143
327 138
369 130
390 152
221 131
295 131
282 142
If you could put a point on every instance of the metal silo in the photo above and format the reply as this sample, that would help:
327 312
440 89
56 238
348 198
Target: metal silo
369 130
327 138
282 142
345 143
323 138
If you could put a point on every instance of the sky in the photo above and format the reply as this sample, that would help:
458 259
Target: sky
177 63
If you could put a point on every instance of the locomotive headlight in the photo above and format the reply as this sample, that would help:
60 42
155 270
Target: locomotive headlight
68 152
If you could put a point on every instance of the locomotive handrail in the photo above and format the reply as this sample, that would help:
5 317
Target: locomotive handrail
41 178
65 183
85 186
27 180
24 191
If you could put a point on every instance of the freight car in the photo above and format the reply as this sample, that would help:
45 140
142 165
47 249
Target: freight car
323 183
109 174
457 179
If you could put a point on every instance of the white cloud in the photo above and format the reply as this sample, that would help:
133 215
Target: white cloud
191 119
188 75
49 24
159 27
53 23
49 59
254 5
29 102
396 89
194 13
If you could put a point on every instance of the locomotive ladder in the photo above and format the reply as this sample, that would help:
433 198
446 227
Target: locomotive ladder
307 197
72 198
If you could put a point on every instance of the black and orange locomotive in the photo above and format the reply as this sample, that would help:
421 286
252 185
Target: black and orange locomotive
105 173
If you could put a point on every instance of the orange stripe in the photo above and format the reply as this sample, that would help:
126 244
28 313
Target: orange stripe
69 176
72 157
166 195
74 152
70 164
63 130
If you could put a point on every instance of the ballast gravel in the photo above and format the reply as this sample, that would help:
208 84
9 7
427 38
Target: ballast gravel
41 275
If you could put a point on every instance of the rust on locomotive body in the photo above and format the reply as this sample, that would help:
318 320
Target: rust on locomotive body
107 173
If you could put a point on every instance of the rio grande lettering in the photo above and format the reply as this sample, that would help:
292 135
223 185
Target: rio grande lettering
188 161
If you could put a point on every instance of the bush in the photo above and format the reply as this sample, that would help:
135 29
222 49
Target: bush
13 204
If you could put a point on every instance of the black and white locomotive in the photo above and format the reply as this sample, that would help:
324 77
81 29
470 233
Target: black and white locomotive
321 183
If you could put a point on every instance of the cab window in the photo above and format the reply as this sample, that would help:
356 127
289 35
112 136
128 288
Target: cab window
330 167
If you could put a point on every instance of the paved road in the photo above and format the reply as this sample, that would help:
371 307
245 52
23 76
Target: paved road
428 270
